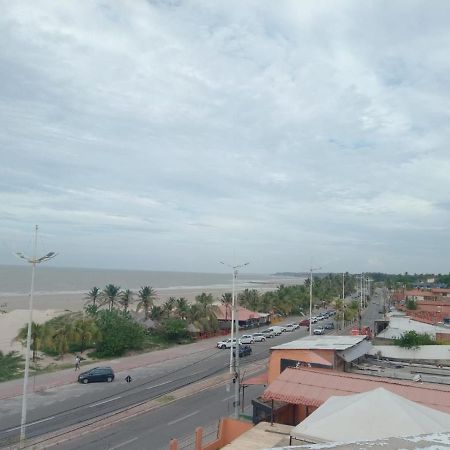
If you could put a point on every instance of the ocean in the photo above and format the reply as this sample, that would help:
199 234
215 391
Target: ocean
16 280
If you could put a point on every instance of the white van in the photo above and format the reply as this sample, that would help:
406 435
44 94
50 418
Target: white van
276 330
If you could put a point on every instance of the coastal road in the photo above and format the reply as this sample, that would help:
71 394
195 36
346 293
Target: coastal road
179 420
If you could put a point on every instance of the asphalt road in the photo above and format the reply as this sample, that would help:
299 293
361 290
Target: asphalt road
176 420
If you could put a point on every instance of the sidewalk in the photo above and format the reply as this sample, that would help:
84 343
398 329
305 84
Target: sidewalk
45 381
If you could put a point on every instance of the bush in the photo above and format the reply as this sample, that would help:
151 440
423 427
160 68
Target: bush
118 333
175 329
411 304
11 365
412 339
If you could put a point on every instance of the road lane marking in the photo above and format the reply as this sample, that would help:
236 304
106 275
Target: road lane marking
184 417
105 401
160 384
30 424
123 443
227 398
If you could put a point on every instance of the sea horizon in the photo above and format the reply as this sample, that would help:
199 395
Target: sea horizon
15 279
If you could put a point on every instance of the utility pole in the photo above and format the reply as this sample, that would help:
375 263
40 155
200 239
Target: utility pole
34 260
234 351
343 299
360 300
310 296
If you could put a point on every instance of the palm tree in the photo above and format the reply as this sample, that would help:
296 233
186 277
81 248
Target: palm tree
39 337
63 337
182 307
156 313
147 295
168 305
249 298
126 298
85 331
208 320
110 294
227 301
92 296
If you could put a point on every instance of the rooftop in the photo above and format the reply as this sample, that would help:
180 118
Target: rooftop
324 342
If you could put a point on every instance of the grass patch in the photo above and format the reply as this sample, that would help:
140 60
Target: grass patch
166 399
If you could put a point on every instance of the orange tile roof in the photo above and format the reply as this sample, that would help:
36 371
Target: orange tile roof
224 313
314 386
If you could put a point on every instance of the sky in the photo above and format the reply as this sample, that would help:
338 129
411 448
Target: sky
171 135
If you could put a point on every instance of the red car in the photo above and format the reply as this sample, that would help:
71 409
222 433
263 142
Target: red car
304 323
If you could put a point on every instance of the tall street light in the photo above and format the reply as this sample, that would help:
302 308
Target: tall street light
33 261
235 324
310 297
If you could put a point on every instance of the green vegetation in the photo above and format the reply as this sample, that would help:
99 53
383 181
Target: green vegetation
412 339
411 304
408 281
118 333
11 365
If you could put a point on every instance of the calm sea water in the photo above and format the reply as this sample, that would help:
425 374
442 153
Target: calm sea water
15 280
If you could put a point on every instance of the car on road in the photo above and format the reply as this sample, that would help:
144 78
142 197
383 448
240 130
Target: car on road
320 317
329 326
96 375
319 330
290 327
244 350
259 337
226 343
314 319
277 330
304 323
268 333
246 339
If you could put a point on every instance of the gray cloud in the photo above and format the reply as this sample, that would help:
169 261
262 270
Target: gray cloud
170 135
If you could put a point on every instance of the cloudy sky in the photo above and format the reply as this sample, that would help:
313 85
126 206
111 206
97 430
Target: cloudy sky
169 135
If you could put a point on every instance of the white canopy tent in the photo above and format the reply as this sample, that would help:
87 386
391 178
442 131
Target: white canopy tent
370 415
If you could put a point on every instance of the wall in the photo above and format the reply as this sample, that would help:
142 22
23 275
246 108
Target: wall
298 355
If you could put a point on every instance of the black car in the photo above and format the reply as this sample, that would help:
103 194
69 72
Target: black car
329 326
96 374
244 350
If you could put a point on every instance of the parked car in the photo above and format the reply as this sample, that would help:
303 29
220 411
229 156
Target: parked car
290 327
320 317
319 330
276 330
226 343
96 374
244 350
329 326
314 319
259 337
246 339
268 333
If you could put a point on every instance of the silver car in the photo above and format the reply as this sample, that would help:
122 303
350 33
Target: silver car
259 337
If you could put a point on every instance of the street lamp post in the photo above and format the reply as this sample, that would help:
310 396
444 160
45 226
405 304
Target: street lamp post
235 324
34 260
310 297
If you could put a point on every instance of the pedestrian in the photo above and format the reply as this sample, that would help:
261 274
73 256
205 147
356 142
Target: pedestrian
77 363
